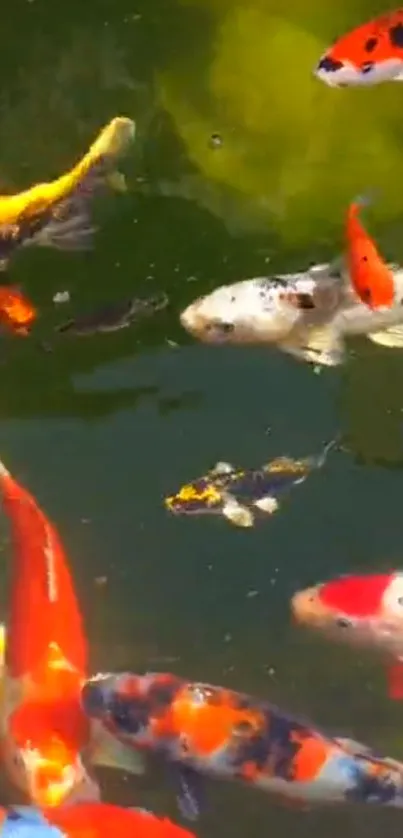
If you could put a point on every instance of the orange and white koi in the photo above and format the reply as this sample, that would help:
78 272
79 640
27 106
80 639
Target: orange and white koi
360 610
372 279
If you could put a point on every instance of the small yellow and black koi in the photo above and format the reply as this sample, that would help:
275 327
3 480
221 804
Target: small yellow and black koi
240 494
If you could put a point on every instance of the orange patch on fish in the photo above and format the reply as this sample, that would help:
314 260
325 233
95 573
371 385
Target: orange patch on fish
207 726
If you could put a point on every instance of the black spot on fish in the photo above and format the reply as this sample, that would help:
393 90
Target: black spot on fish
13 815
370 45
366 68
329 64
364 259
396 35
305 301
341 622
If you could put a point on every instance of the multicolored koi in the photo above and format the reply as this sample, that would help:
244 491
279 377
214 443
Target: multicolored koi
86 820
369 54
56 214
307 315
241 494
361 610
199 729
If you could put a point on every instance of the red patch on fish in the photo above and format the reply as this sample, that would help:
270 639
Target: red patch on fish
100 819
371 43
356 596
371 278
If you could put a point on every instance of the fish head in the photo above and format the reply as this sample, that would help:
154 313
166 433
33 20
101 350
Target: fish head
339 72
200 496
127 703
259 310
369 54
358 609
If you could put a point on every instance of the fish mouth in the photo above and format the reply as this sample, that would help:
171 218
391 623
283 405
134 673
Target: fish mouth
181 507
307 608
206 329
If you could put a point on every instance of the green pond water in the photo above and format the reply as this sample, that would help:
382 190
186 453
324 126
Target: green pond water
103 427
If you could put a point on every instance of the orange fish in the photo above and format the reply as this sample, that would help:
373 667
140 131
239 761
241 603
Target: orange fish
43 726
370 54
17 314
87 820
370 276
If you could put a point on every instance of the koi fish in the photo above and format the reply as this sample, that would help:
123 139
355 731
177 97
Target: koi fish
45 737
86 820
307 315
240 494
43 728
110 318
17 313
361 610
371 277
369 54
56 214
199 729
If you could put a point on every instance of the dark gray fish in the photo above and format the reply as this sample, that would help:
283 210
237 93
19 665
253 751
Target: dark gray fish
113 316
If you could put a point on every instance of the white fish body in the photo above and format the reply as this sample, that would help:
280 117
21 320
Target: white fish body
306 314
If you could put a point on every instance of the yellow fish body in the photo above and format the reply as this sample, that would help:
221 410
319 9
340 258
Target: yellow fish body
56 214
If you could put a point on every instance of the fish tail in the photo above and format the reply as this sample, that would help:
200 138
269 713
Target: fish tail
56 213
110 143
320 460
66 224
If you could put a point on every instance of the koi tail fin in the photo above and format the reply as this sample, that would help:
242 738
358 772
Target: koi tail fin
68 224
58 214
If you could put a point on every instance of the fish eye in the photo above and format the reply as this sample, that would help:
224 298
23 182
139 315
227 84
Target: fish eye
341 622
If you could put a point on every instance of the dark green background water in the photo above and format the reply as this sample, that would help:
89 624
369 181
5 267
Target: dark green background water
102 428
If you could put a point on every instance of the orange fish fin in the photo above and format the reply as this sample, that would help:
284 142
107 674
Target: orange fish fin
395 680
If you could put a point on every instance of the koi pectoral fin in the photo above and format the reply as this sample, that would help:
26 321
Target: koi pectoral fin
190 795
395 681
108 752
392 338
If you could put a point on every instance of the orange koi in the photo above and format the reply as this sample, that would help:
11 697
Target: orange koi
43 726
17 313
371 278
